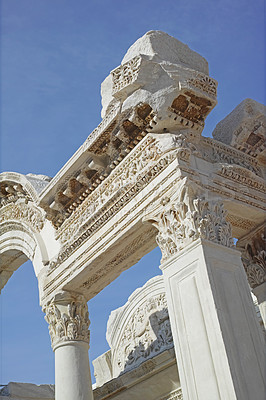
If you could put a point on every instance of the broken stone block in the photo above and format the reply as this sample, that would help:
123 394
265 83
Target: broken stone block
245 129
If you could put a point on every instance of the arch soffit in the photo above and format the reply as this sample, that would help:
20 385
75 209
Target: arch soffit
21 221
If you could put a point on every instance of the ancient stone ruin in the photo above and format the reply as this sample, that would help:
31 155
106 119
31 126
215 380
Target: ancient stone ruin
147 177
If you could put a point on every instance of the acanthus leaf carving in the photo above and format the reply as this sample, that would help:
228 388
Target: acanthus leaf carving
188 218
68 319
254 258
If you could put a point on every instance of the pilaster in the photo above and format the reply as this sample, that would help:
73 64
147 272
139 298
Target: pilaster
218 341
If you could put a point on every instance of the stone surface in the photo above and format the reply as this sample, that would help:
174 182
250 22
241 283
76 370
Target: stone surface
161 47
245 129
136 332
27 391
163 73
144 174
214 321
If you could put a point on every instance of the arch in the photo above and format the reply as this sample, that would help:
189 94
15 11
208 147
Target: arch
21 223
18 244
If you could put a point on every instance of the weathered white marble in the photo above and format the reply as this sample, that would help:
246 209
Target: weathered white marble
146 176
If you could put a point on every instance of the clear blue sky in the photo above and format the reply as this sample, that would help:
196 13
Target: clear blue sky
54 56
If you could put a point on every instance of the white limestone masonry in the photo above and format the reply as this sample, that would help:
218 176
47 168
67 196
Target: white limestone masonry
147 176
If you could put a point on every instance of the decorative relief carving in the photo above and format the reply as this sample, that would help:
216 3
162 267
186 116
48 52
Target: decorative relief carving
68 319
242 223
147 333
175 395
243 176
125 74
254 258
11 192
188 218
204 83
22 212
121 257
118 189
217 152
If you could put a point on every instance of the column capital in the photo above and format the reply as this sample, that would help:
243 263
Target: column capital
188 216
68 319
253 247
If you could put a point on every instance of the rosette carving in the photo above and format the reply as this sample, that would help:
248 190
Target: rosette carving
68 319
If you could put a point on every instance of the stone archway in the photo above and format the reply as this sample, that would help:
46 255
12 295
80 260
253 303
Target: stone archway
21 223
147 161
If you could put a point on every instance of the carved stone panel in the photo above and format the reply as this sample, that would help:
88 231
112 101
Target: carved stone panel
137 331
188 217
254 256
68 319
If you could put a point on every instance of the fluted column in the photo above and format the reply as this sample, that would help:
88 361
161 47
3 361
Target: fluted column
253 248
68 319
218 341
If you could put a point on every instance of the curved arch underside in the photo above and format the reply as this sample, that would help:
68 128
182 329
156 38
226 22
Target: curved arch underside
17 246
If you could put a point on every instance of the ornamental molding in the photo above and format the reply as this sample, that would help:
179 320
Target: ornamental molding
243 177
58 280
152 156
242 223
217 152
137 332
22 212
147 333
68 319
126 181
121 257
126 74
16 187
175 395
188 217
253 248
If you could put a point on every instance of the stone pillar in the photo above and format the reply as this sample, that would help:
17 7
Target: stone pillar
253 248
218 341
68 319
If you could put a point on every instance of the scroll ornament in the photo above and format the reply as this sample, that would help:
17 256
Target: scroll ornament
254 260
184 221
68 324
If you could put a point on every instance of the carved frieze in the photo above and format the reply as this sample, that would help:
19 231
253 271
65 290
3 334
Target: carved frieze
27 213
125 74
139 330
68 319
189 217
217 152
147 333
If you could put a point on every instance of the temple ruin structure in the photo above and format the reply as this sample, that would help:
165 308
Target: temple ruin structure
147 177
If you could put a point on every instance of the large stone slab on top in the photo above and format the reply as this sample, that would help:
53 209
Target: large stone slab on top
161 47
166 75
245 129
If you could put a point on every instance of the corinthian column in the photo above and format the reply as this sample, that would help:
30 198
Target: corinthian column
218 341
253 247
68 319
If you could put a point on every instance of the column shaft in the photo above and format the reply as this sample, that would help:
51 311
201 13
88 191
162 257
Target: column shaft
68 318
72 372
